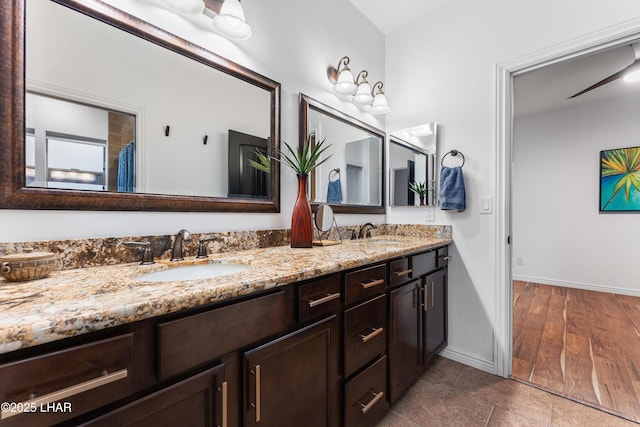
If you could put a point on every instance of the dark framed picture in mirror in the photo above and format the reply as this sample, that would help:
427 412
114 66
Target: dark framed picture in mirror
144 139
352 180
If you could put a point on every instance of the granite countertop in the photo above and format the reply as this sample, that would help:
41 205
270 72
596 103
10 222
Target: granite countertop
73 302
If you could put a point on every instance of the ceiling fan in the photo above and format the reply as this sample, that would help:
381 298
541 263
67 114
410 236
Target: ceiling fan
629 73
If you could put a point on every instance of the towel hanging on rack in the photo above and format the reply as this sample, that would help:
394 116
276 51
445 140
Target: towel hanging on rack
452 192
334 189
126 168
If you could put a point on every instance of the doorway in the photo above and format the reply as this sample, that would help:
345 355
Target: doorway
505 87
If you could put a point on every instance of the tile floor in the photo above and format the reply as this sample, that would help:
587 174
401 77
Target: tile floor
453 394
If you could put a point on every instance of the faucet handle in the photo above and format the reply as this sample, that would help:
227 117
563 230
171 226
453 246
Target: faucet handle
202 248
354 236
147 254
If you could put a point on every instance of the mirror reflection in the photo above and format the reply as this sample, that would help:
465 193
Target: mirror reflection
108 111
412 154
352 178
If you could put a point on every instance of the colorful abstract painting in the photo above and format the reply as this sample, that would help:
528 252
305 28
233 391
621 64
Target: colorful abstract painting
620 180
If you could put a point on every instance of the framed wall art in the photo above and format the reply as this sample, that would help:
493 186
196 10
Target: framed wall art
620 180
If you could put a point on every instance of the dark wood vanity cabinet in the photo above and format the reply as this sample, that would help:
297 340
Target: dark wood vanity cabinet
405 337
293 380
417 317
331 351
435 313
365 346
198 401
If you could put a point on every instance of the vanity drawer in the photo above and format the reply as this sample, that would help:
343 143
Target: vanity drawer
365 333
57 386
399 271
194 340
365 401
443 256
318 297
363 283
423 263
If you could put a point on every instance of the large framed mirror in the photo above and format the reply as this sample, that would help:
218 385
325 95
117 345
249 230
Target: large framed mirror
352 180
104 111
412 175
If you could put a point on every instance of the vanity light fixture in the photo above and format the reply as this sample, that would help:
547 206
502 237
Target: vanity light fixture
373 101
363 94
185 7
344 84
230 22
379 105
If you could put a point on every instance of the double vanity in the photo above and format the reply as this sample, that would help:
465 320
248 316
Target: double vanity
264 335
272 336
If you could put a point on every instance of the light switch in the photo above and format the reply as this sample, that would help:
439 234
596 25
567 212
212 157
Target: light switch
486 205
431 214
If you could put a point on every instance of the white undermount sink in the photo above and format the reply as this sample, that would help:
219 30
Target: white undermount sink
193 272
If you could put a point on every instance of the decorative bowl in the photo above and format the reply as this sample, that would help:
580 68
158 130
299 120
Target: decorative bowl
27 265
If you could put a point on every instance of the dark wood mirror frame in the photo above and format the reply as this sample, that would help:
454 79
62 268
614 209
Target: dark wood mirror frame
13 192
305 104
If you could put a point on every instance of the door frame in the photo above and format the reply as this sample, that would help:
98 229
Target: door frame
505 72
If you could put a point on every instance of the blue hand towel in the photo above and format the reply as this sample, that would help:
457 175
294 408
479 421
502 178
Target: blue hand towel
452 195
126 168
334 191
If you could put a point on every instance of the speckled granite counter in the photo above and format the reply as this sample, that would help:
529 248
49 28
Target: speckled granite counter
73 302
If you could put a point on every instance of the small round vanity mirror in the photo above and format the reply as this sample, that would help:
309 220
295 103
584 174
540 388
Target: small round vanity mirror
324 218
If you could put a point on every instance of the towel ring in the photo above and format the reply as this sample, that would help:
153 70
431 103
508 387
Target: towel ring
454 153
336 170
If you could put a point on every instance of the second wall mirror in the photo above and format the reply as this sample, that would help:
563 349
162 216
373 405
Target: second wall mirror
352 180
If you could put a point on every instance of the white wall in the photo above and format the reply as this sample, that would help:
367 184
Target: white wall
293 43
450 57
559 234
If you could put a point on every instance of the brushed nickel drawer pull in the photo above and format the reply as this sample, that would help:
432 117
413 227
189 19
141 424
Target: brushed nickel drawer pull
225 402
372 402
446 258
257 393
374 332
372 284
432 299
425 297
403 273
70 391
329 297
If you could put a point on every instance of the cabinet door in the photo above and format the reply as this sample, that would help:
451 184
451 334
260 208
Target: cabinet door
405 333
197 401
293 381
435 298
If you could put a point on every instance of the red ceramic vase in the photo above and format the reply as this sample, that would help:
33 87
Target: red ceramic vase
301 226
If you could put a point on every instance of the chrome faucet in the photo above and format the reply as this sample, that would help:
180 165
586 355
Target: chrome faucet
176 253
365 230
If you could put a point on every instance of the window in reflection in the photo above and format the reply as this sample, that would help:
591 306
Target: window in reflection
77 146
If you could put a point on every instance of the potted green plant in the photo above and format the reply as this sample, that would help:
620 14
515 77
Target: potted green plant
302 161
420 188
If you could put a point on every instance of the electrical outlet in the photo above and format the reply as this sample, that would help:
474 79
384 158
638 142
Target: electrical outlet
519 261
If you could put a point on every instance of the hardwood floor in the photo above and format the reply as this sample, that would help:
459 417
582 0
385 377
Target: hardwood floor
584 345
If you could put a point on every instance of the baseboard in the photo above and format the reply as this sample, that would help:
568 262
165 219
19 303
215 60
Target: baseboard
576 285
469 360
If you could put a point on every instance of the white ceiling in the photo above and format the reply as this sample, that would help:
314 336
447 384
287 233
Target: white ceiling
389 16
541 90
549 87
